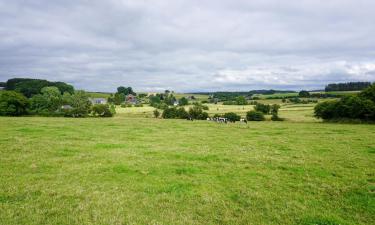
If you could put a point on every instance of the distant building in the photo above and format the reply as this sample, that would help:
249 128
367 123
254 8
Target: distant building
95 101
131 99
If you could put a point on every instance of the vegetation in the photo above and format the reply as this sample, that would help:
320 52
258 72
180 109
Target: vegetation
232 117
304 94
181 172
30 87
360 107
12 104
183 101
254 115
264 108
350 86
102 110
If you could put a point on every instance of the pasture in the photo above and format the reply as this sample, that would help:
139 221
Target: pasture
135 170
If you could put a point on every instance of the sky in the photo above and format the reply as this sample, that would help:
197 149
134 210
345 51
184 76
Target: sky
188 45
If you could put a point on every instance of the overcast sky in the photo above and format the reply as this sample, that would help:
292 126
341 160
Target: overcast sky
188 45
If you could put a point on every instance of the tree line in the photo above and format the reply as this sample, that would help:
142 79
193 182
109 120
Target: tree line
349 86
34 97
358 107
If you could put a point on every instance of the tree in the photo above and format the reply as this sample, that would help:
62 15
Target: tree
80 103
196 112
360 107
119 98
368 93
304 94
12 103
264 108
241 100
125 91
232 117
53 98
183 101
255 116
101 110
156 113
30 87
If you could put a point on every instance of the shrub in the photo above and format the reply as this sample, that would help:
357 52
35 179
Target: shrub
264 108
183 101
304 94
101 110
196 112
255 116
231 116
12 103
175 113
350 107
156 113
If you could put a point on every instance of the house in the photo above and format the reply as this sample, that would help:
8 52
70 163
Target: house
95 101
131 99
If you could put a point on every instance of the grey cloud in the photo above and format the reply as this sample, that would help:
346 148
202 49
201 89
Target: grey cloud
188 45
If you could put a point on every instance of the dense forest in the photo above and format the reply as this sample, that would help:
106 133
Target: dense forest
29 87
350 86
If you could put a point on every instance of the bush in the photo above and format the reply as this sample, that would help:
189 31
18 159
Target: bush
101 110
255 116
175 113
360 107
156 113
196 112
12 104
264 108
304 94
231 116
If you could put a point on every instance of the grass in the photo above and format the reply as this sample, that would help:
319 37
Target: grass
134 170
98 95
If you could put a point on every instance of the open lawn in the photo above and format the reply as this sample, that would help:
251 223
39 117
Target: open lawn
129 170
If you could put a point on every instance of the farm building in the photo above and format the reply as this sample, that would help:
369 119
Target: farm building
95 101
131 99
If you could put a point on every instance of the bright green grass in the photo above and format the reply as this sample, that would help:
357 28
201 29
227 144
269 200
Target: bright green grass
126 170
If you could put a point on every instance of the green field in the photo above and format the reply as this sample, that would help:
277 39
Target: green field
135 170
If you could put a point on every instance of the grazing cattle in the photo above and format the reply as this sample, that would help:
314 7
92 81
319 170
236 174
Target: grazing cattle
243 121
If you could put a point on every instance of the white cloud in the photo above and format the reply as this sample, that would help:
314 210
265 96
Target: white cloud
188 45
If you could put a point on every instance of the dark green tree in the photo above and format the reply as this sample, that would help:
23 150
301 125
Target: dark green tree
12 103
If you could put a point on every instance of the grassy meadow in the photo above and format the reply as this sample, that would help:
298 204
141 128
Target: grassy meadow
130 169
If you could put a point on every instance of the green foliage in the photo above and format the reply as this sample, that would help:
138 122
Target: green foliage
349 107
30 87
156 113
196 112
304 94
264 108
368 93
231 116
101 110
119 98
125 91
12 104
241 100
350 86
255 116
80 104
183 101
174 113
